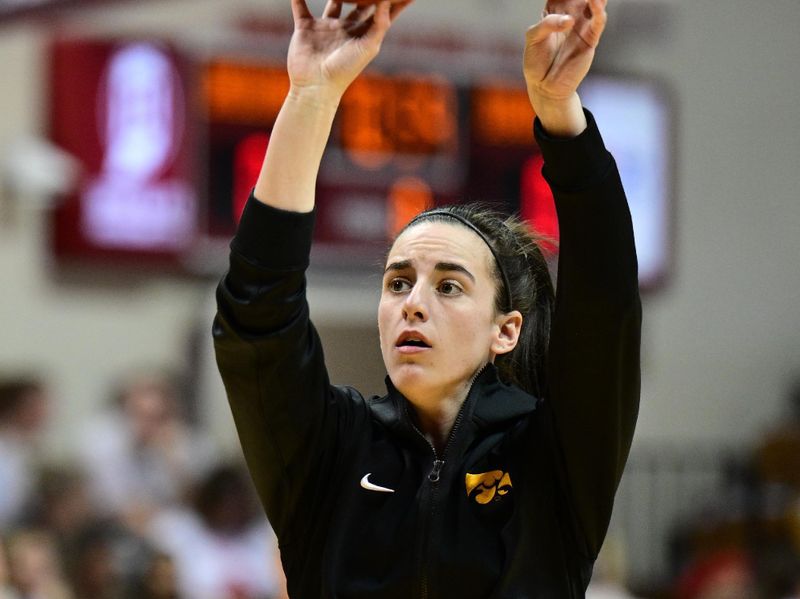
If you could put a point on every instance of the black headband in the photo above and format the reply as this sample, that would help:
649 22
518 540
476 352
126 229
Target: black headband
467 223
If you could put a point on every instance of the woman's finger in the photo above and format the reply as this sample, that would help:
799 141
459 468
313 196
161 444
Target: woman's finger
356 14
553 23
300 11
333 9
599 18
375 27
382 19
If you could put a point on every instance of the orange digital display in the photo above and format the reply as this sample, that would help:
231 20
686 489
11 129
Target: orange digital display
502 115
244 93
408 196
381 116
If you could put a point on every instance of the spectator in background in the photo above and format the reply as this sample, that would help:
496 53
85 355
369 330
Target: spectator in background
725 574
159 581
60 505
35 571
778 455
100 555
142 454
23 416
6 592
95 568
223 548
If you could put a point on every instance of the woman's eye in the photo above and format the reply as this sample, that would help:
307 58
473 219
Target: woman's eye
449 288
399 285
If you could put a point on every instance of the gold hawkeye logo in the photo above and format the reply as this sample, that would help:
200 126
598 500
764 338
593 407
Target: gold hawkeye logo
488 486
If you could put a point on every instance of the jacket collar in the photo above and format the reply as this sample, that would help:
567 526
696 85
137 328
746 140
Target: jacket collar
489 403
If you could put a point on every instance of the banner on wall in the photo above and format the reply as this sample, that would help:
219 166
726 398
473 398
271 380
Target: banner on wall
121 109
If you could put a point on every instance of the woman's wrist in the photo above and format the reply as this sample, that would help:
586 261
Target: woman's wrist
560 117
315 97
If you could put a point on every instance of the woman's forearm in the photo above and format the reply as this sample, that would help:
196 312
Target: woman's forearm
289 173
560 118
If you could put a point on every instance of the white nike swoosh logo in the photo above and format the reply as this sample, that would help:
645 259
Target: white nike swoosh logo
365 484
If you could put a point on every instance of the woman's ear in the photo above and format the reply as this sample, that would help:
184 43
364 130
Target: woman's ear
508 327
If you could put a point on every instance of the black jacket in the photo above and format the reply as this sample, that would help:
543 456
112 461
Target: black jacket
519 503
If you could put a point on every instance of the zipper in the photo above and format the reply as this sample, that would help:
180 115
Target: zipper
437 470
434 476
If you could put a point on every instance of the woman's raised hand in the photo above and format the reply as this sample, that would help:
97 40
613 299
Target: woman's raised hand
328 53
559 50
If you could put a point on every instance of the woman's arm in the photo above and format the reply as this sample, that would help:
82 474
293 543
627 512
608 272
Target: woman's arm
267 350
325 56
593 357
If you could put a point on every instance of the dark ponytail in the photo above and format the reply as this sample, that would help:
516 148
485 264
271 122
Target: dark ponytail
520 262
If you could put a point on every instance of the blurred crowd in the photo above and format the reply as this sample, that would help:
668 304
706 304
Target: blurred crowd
742 541
745 543
144 508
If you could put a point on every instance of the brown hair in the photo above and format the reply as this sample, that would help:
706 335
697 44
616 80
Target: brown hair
519 270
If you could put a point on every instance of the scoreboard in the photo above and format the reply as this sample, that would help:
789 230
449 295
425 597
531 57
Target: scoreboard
403 140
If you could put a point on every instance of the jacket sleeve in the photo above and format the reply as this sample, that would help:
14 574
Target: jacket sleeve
271 362
593 359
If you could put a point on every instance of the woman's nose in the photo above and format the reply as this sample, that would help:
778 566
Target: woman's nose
414 306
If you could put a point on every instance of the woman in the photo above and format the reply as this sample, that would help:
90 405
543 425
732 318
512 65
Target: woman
454 484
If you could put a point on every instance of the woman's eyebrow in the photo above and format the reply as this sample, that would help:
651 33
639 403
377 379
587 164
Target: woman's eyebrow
402 265
440 266
452 266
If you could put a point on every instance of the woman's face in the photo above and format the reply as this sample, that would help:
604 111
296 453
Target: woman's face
436 317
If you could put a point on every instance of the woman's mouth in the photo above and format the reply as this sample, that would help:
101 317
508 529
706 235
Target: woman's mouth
411 342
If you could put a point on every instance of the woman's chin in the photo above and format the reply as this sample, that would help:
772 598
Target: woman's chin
411 379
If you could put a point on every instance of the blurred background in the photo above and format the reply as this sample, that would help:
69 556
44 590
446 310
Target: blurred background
130 133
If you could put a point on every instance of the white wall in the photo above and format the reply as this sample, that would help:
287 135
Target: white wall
721 341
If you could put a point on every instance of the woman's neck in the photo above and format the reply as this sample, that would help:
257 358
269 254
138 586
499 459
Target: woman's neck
435 416
436 424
